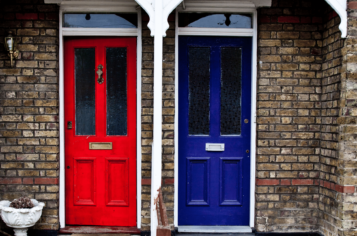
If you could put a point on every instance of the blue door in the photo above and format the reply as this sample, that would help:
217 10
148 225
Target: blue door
214 130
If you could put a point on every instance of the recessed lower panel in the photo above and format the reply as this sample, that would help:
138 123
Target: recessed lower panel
231 181
117 182
84 181
198 180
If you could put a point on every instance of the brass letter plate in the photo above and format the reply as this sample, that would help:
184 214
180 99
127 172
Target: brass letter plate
101 146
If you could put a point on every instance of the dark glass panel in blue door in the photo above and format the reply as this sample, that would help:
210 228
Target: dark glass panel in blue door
199 90
116 91
231 83
211 20
85 90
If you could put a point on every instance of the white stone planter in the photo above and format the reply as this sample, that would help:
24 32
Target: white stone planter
21 219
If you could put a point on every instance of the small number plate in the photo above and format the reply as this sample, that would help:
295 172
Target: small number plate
215 147
101 146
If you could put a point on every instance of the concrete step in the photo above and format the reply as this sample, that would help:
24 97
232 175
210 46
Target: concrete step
94 234
92 230
100 235
215 234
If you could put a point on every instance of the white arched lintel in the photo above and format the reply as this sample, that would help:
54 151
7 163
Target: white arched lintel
149 7
340 6
168 8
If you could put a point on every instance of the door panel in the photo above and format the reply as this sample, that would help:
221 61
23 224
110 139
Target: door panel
198 179
214 101
84 182
100 181
230 181
117 171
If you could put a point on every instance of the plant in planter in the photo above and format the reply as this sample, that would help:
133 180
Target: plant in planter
21 214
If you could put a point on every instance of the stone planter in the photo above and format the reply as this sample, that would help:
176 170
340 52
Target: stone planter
20 219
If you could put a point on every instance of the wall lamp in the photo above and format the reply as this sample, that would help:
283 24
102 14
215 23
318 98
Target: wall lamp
10 45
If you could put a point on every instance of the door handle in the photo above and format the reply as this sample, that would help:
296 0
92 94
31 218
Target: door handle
69 125
100 73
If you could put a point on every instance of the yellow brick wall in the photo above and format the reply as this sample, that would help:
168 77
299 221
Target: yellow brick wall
29 107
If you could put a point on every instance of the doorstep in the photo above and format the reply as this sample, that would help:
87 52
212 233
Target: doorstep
214 229
99 230
100 234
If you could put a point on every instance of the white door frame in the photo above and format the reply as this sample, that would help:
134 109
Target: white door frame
220 6
97 7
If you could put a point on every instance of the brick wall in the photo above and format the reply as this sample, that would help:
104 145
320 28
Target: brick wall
168 118
316 112
289 110
147 74
344 219
330 104
306 121
29 106
168 113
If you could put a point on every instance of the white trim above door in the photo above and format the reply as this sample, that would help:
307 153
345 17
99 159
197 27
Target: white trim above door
93 7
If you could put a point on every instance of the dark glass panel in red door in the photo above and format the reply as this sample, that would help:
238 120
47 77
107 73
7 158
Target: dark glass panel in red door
116 91
85 90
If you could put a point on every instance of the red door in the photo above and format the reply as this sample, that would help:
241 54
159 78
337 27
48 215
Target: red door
100 136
